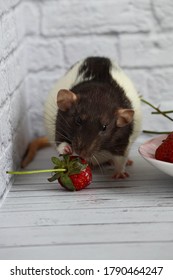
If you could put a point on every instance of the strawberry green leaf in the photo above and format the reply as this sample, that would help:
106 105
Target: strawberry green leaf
54 177
56 161
77 169
66 182
66 158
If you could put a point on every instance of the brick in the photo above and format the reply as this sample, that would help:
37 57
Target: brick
12 75
13 29
6 5
4 178
5 127
32 17
41 84
16 68
17 108
163 12
86 17
140 79
146 50
11 156
81 47
44 54
160 84
9 35
3 185
21 138
19 19
3 83
1 37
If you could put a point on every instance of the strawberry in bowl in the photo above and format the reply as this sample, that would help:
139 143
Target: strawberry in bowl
155 153
164 152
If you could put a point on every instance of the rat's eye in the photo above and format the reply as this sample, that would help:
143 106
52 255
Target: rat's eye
104 127
78 121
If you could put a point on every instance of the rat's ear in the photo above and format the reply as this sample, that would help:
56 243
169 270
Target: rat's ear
65 99
124 117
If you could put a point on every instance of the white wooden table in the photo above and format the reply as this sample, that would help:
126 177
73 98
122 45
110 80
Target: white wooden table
111 219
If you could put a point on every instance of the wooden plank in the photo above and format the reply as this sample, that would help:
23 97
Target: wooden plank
97 200
122 185
79 234
85 216
101 183
54 195
110 251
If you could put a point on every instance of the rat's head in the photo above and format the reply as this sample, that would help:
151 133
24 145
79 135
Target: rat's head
91 120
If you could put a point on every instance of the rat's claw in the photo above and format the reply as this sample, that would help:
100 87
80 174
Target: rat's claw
129 162
68 150
64 148
120 175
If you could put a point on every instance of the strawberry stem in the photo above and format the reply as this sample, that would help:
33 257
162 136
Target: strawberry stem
35 171
165 112
157 109
156 132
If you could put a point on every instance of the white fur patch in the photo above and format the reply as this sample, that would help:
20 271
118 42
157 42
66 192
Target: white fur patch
61 148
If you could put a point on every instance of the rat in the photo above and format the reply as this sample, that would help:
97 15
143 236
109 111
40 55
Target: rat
93 111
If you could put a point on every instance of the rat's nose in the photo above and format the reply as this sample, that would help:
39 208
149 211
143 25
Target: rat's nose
82 153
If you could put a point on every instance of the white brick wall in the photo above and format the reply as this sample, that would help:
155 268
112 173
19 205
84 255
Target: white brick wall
42 38
13 119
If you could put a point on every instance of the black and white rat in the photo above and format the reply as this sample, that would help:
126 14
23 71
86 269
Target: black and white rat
94 111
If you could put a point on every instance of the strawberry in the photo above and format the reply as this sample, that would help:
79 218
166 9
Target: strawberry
77 176
170 136
165 151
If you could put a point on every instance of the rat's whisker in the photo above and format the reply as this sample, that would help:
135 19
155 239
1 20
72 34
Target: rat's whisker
104 155
47 118
60 114
65 132
96 160
67 138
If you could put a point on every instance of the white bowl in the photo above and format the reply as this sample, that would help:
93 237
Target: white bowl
147 151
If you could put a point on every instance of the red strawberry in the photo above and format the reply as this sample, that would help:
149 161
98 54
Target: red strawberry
77 176
165 151
170 136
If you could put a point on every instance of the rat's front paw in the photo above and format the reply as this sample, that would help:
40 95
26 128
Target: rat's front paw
68 150
64 148
129 162
120 175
